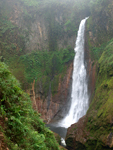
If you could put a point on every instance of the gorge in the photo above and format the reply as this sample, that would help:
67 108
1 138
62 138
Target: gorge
79 94
36 42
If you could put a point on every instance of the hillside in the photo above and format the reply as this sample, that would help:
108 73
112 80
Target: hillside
20 126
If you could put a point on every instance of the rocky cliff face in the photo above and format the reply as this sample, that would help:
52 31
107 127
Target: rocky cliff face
39 24
53 105
90 67
100 23
44 28
31 28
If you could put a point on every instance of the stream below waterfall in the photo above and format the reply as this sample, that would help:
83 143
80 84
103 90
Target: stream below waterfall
79 94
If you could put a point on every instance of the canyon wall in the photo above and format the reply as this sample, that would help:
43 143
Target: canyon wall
37 42
29 30
94 130
54 104
40 25
31 35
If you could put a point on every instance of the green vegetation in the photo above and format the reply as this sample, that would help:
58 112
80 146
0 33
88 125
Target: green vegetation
70 27
46 66
100 112
44 63
12 41
5 26
22 127
98 125
99 33
96 52
100 22
31 2
106 60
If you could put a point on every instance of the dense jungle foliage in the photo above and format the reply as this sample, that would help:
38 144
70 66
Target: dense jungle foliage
21 125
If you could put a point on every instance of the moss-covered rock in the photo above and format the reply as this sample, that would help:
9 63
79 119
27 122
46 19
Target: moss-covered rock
95 130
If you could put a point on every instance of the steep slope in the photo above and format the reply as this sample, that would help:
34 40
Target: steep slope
20 125
95 130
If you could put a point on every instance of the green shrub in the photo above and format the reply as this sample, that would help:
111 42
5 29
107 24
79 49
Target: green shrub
23 128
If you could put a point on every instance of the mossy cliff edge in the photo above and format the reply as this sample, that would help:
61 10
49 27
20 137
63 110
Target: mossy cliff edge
95 129
20 126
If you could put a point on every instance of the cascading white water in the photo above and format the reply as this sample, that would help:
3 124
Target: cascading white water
79 95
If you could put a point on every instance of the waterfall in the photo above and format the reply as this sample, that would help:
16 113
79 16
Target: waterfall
79 95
